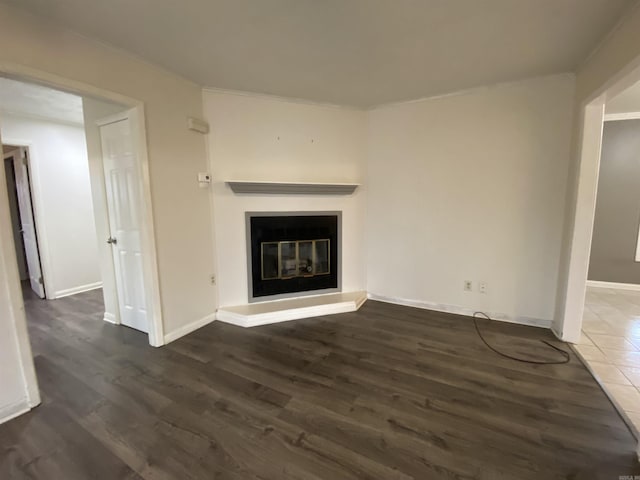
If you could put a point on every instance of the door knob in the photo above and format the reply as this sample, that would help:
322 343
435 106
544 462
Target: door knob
112 241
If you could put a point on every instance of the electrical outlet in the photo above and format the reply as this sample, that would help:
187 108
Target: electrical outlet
212 279
468 286
482 287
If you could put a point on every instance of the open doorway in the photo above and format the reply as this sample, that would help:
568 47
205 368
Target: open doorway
602 313
79 214
16 168
610 339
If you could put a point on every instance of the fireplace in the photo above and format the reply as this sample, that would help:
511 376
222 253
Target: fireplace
292 254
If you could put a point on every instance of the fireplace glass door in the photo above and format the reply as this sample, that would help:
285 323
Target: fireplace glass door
299 258
290 254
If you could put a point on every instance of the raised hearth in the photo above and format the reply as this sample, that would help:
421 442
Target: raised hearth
264 313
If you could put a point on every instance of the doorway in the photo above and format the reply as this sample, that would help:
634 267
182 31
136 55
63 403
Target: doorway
117 258
16 167
602 304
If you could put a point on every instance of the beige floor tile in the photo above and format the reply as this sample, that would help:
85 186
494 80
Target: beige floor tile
611 322
621 358
612 342
591 353
627 397
589 315
585 340
635 419
597 327
632 328
633 374
607 373
635 341
626 328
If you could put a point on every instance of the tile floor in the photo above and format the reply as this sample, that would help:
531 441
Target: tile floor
610 345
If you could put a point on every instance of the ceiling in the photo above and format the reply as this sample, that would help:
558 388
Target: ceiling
626 102
348 52
42 102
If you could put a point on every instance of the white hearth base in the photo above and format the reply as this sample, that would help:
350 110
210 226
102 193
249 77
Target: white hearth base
263 313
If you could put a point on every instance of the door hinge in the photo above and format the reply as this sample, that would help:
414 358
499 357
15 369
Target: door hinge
40 281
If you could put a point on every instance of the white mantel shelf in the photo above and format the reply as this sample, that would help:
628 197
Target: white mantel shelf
289 188
263 313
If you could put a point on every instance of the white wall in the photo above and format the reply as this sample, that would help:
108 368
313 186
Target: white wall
615 58
36 48
471 187
269 139
182 216
13 394
18 387
626 102
61 194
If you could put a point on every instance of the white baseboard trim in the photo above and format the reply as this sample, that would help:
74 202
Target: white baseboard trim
82 288
439 307
614 285
110 318
188 328
14 410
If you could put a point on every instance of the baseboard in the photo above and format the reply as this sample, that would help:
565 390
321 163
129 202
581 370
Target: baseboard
75 290
13 410
187 329
110 318
439 307
615 285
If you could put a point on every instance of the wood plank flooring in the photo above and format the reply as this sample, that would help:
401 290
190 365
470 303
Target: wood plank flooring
387 392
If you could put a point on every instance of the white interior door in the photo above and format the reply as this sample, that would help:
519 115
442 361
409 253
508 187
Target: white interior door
27 223
123 202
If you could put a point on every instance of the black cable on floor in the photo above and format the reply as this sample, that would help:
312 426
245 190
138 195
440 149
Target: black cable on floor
565 354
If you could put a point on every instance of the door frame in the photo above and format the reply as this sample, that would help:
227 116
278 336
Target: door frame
573 287
150 262
36 204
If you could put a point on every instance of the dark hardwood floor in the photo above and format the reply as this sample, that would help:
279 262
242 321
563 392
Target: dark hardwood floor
388 392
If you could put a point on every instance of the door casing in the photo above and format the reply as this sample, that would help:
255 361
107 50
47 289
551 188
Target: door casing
150 264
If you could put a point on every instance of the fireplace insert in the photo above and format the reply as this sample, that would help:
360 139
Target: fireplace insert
290 253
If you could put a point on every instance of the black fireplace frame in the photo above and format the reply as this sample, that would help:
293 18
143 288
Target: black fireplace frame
337 257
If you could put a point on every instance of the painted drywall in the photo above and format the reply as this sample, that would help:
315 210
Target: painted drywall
182 216
626 102
94 110
15 219
13 398
615 57
61 197
13 394
615 227
181 211
471 187
19 390
268 139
